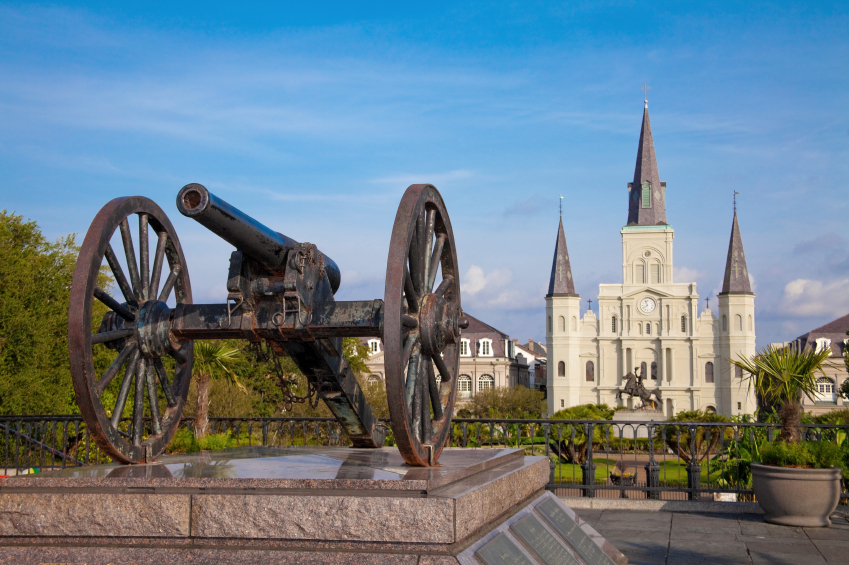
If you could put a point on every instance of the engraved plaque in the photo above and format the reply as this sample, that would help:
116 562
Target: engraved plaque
542 542
572 532
501 550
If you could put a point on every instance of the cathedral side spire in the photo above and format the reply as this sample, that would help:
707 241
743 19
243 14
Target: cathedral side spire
647 195
736 279
561 270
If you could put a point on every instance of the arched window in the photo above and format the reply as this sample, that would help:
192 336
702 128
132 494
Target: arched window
655 273
613 324
373 346
561 323
710 409
751 324
643 369
738 372
825 390
549 324
561 369
485 382
709 372
738 323
465 350
464 386
640 273
724 323
684 324
590 372
373 379
574 324
654 370
648 328
641 328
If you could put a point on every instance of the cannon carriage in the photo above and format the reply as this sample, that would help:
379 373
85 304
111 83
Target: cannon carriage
280 292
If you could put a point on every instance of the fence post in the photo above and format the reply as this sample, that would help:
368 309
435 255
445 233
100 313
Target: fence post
588 467
652 469
694 470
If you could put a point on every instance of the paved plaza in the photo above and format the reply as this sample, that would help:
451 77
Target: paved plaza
674 538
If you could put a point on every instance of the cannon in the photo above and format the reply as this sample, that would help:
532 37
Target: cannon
280 293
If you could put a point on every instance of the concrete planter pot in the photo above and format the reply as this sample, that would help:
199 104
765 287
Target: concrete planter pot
796 497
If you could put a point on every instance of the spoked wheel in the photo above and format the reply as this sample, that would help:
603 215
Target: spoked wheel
136 326
421 325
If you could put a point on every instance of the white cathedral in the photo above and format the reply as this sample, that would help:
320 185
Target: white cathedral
649 323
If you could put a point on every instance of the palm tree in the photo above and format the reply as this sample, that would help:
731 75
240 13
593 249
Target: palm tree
781 375
211 360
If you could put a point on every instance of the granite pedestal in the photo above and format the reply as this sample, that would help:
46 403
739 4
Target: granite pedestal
268 505
629 422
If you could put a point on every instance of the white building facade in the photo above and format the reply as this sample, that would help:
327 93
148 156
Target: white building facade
648 322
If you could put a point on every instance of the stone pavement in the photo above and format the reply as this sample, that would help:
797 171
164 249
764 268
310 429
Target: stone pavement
674 538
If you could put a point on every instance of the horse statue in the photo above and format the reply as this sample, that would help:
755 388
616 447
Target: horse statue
634 387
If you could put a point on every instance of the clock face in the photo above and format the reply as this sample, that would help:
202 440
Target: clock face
647 305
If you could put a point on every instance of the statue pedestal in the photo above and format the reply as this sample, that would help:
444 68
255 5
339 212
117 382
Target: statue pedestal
270 505
627 420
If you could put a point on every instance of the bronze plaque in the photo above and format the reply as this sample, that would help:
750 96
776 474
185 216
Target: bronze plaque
501 550
542 542
564 525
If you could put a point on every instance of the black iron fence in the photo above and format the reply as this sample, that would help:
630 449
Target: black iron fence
647 460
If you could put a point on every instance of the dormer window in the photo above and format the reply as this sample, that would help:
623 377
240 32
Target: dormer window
465 351
373 346
485 347
823 344
646 199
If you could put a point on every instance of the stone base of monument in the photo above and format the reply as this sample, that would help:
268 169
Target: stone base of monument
627 421
297 505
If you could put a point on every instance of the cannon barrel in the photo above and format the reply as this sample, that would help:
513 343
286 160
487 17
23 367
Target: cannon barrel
262 244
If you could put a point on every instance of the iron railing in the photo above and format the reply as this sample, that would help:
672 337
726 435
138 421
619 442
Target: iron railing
648 460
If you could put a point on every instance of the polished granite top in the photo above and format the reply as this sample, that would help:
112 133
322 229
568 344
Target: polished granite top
276 468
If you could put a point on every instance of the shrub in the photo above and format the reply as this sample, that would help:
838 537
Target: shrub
508 403
707 439
805 455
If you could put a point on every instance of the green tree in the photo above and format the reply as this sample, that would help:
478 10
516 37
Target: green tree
507 403
781 375
35 282
212 359
706 440
572 442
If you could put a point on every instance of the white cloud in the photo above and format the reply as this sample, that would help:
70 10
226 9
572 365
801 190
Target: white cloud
803 297
475 280
685 275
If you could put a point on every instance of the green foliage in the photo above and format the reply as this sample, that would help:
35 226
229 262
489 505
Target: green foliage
707 439
781 376
838 417
184 441
807 455
35 282
356 354
573 442
508 403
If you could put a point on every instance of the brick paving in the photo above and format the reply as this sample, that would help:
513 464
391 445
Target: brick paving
678 538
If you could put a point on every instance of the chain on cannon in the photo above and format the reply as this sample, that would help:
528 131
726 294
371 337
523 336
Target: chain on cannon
280 293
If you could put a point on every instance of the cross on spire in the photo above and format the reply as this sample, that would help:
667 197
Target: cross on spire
735 201
561 205
707 303
645 88
589 304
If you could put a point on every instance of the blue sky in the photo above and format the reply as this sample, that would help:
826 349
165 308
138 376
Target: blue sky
315 117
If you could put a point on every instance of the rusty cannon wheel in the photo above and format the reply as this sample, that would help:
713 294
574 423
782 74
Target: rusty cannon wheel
136 327
421 325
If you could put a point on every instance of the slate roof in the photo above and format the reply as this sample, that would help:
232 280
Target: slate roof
561 269
736 279
835 331
645 171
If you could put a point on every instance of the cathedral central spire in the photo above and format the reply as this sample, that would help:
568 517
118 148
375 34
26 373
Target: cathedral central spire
646 195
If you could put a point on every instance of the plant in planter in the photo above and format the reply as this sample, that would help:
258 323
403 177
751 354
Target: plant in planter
796 483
